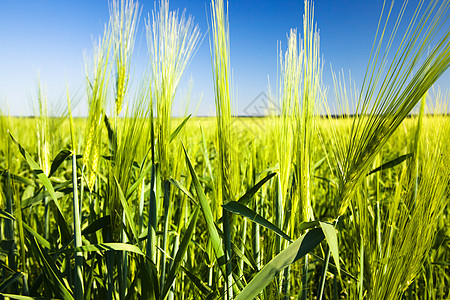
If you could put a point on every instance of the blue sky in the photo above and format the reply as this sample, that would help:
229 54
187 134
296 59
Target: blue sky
48 38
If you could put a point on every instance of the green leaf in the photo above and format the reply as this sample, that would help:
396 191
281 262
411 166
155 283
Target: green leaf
292 253
51 271
18 178
38 199
197 282
62 156
392 163
38 171
149 280
178 129
10 280
182 188
126 209
107 247
213 234
238 208
240 255
332 240
97 225
137 183
112 137
319 163
42 241
64 229
6 215
19 297
180 254
245 199
308 225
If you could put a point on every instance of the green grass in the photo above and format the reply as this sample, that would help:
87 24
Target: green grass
383 188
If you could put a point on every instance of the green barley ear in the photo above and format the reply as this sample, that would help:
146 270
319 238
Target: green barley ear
43 132
300 88
289 92
97 90
412 217
129 142
221 75
227 146
124 15
388 95
305 109
172 40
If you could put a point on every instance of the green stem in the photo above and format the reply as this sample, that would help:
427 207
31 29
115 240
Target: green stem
243 239
324 274
256 240
124 264
227 241
109 267
361 270
47 219
151 237
166 208
285 288
141 206
305 278
9 228
171 295
78 292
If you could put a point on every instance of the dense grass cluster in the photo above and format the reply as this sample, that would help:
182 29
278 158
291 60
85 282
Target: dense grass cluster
294 205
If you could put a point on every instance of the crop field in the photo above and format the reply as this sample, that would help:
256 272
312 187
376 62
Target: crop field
308 202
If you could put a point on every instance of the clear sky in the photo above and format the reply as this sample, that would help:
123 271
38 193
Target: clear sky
48 38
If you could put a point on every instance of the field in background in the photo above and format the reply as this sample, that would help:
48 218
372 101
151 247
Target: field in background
254 245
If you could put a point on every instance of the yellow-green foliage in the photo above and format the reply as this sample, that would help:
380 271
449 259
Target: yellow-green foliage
381 195
172 40
124 20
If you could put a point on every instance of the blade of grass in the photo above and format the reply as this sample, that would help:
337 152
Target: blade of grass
59 159
178 129
237 208
292 253
42 241
392 163
332 240
51 271
180 253
213 234
127 211
245 199
38 172
13 279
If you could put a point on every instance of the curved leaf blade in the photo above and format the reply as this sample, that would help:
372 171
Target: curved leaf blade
238 208
292 253
332 240
245 199
38 171
207 213
10 280
180 253
6 215
178 129
392 163
126 209
52 272
59 159
108 247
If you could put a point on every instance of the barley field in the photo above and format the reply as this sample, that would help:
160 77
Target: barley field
312 201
